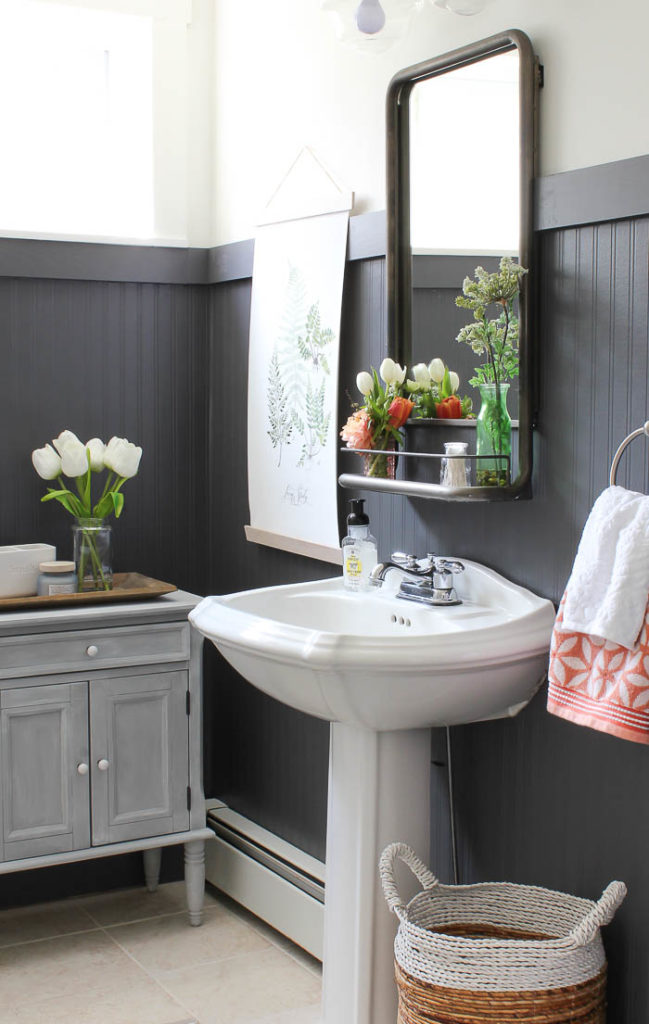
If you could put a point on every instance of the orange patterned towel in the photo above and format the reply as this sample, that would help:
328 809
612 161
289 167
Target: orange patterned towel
598 683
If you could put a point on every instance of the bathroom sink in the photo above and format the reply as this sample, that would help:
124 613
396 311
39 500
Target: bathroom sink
374 660
381 670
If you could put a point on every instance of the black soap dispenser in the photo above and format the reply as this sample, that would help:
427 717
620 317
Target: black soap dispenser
359 548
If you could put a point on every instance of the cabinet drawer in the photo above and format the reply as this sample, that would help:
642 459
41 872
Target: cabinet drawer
88 650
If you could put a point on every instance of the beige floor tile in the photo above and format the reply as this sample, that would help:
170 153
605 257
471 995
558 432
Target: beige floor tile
42 921
305 959
167 943
129 905
246 988
82 965
141 1003
305 1015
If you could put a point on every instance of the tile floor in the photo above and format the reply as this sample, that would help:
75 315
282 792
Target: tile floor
130 957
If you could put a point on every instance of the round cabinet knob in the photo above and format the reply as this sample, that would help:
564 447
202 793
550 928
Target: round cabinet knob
92 651
82 768
103 765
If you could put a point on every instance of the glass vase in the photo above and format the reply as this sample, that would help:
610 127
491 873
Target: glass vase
93 554
455 470
493 437
382 462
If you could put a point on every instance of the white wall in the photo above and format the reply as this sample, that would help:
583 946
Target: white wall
281 80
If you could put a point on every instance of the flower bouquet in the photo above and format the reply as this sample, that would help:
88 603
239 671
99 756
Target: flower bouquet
71 458
375 425
497 339
434 392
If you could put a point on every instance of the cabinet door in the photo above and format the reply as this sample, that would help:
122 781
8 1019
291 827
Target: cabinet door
139 752
44 769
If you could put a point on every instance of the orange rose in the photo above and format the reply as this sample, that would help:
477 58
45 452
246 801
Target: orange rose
399 411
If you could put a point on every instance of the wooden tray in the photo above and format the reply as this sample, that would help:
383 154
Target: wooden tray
127 586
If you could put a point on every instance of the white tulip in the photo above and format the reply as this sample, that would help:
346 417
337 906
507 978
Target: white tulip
96 447
63 438
74 460
455 381
421 373
364 382
46 462
391 372
387 370
122 456
436 369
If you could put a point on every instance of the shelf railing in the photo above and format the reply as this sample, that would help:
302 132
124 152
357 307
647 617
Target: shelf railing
425 489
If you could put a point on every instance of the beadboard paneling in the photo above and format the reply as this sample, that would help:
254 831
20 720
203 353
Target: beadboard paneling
103 359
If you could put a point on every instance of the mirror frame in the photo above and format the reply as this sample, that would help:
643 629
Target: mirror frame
399 257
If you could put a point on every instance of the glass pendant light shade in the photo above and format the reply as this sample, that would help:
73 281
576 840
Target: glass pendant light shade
463 7
371 25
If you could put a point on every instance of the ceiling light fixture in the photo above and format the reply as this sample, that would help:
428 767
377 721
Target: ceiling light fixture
374 25
371 25
370 17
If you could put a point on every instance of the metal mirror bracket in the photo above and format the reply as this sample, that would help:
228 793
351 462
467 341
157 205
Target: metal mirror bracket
399 257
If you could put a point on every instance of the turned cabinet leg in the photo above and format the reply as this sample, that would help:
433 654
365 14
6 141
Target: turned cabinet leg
152 860
195 879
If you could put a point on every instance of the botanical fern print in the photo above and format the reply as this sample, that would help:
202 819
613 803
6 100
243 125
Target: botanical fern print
279 417
293 368
296 389
313 345
317 423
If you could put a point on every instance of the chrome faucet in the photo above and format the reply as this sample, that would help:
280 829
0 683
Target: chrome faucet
427 580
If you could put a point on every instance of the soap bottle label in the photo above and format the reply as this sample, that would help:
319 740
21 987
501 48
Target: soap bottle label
353 565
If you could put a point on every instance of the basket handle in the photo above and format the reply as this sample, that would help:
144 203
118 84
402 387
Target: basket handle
601 914
399 851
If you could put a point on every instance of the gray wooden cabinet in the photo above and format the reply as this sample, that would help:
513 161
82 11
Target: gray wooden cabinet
101 736
43 737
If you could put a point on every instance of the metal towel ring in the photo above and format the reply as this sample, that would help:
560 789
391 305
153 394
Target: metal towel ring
618 455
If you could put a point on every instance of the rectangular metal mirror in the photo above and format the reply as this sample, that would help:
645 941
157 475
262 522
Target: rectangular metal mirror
461 148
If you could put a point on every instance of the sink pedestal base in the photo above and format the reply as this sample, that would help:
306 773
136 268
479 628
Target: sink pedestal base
379 793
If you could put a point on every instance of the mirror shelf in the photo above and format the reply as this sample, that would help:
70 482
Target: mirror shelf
418 483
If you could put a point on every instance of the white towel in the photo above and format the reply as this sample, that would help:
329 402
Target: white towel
606 595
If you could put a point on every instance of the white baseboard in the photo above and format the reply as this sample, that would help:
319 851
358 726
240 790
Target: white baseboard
275 899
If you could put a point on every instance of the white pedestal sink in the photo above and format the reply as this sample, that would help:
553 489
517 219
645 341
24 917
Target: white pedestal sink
382 671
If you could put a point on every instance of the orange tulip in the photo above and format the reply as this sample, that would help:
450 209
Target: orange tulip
399 411
449 408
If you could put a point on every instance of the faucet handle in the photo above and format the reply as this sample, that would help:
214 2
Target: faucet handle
448 565
407 561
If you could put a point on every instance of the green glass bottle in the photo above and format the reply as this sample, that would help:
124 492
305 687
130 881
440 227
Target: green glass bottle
493 437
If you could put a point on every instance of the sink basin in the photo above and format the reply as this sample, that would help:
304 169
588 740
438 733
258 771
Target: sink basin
374 660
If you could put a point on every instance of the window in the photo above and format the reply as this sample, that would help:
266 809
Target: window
76 121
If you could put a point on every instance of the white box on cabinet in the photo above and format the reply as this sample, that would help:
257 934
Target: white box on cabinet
19 567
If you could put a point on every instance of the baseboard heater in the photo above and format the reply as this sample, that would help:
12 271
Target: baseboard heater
273 879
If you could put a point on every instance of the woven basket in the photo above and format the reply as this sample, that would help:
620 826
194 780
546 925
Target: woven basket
497 952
